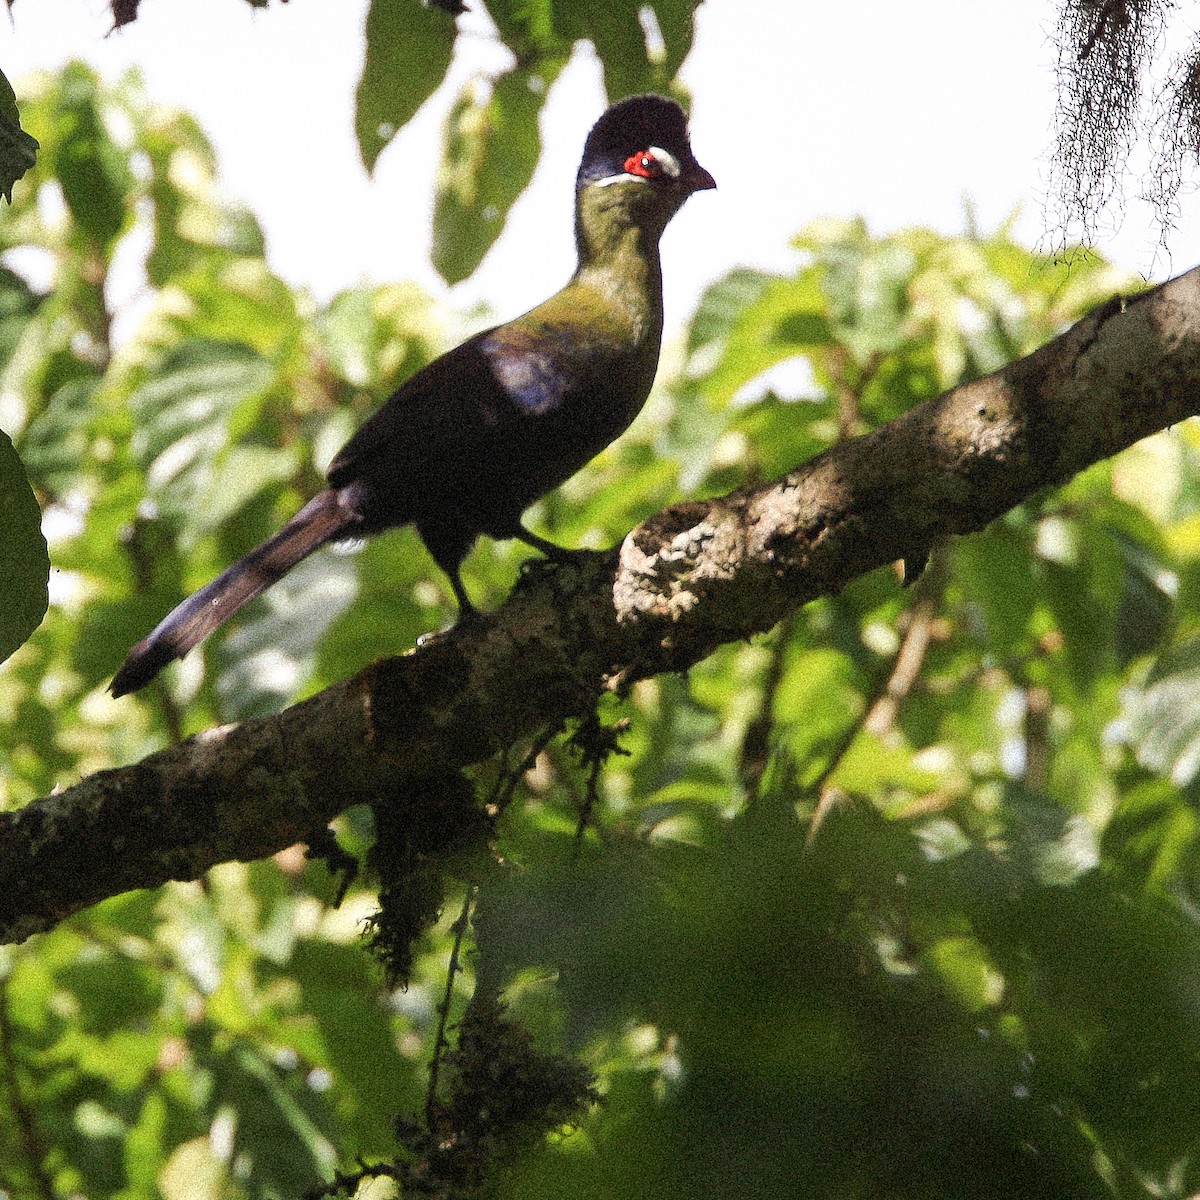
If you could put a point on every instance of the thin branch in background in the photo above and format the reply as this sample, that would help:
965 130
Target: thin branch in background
914 646
1035 730
851 379
590 800
756 742
506 783
829 797
441 1043
881 711
849 396
1036 772
595 743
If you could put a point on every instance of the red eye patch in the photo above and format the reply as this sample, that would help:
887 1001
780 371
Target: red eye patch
643 163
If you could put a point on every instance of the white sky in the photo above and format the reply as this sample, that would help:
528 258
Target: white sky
900 112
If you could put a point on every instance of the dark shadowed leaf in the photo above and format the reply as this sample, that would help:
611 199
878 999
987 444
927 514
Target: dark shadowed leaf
1147 601
24 562
278 1122
18 151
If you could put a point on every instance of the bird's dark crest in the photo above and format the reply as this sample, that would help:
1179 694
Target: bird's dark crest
630 125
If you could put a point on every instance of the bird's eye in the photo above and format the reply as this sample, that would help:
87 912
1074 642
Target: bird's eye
643 163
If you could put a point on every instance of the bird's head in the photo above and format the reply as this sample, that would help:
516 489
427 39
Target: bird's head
638 160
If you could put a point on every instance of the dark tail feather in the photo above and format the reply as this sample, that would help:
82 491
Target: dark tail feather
319 521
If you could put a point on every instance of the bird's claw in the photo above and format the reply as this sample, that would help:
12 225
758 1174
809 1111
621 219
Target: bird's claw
466 618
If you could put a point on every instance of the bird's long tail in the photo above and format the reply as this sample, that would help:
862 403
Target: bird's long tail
322 519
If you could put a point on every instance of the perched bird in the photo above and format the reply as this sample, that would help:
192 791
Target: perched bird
466 444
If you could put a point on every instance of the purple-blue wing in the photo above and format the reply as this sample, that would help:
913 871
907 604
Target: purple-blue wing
538 367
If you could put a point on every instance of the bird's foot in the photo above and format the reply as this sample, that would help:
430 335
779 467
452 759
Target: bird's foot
468 616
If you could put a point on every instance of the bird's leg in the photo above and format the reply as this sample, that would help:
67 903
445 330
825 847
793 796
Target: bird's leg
448 546
466 610
467 613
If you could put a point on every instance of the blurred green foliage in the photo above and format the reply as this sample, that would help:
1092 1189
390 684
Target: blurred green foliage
898 901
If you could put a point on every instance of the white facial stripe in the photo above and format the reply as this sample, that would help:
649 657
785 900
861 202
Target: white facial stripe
621 178
668 161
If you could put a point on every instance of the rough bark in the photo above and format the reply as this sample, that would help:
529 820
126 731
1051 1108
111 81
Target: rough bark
690 578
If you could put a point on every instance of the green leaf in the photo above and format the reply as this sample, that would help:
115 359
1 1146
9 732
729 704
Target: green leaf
640 46
339 990
490 154
723 304
57 442
18 304
788 319
375 337
1163 718
528 27
999 589
385 618
677 26
613 28
146 1146
183 413
190 221
1152 834
93 170
18 151
24 561
269 654
966 972
237 477
351 333
235 299
279 1123
408 53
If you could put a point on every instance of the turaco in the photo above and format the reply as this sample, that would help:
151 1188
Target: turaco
466 444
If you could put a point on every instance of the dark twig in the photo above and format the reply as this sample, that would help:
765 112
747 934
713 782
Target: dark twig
441 1043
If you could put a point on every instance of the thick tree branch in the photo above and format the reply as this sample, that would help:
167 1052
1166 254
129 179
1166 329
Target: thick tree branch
685 581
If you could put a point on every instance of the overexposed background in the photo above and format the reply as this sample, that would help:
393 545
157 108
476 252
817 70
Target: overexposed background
901 113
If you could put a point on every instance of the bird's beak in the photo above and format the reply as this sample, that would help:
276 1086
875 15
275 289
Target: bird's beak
697 179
